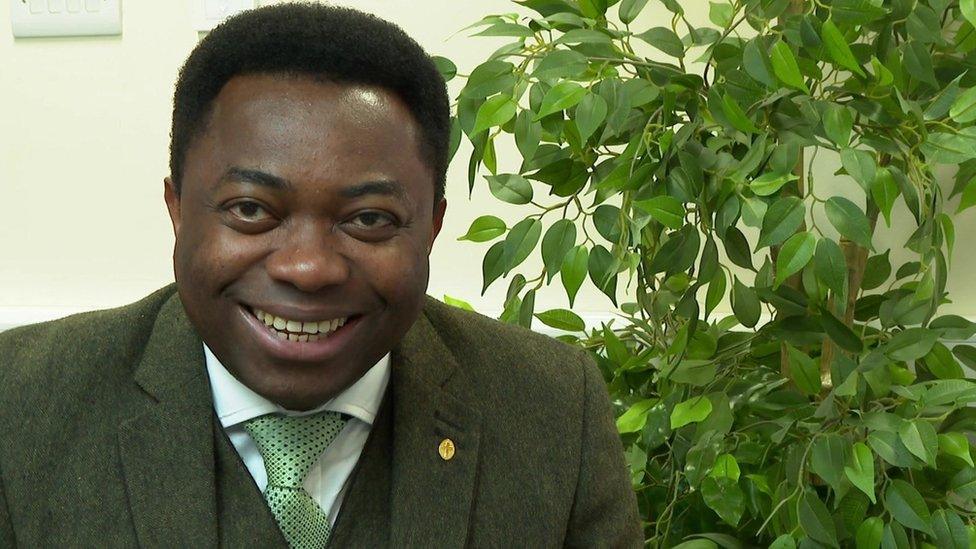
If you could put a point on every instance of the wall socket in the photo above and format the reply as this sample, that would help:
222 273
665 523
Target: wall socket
31 18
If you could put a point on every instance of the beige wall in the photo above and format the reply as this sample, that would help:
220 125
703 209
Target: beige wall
83 150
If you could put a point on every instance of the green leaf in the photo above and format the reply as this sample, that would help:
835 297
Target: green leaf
949 530
906 505
756 62
837 48
506 29
527 134
697 544
785 67
830 266
526 308
963 109
737 117
950 147
737 248
720 14
815 520
840 333
911 344
492 266
725 467
963 483
745 304
510 187
884 191
716 291
860 165
693 410
602 270
956 444
876 271
782 219
769 182
804 371
459 303
869 533
838 123
860 471
665 209
590 113
630 9
796 252
485 228
918 61
583 36
560 64
849 220
489 78
573 271
827 459
665 40
942 364
562 96
968 9
520 242
890 448
894 537
785 541
445 66
559 239
724 496
635 417
562 319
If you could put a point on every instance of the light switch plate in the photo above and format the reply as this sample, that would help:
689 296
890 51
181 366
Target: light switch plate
30 18
207 14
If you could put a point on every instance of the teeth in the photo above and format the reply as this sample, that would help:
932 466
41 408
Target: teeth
294 330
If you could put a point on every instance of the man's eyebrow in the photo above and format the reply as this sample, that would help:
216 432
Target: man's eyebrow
383 187
255 177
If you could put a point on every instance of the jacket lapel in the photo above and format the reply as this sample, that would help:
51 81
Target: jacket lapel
167 448
431 497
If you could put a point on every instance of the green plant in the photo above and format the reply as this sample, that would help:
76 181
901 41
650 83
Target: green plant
682 178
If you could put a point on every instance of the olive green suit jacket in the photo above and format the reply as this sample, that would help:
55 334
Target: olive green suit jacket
109 439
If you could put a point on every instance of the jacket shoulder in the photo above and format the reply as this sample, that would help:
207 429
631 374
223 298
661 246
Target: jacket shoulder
71 349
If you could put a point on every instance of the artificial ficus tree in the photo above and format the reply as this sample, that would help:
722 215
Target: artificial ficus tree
829 409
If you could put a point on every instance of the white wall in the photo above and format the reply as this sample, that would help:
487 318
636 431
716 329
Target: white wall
84 128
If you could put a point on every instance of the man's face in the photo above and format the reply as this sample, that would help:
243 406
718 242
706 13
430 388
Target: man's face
304 205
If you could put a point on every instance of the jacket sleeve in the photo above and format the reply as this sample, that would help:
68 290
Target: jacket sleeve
6 529
604 510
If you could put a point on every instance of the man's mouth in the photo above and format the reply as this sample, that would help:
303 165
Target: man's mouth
297 330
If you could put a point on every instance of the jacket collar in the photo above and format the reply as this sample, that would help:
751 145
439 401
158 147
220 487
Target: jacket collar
167 448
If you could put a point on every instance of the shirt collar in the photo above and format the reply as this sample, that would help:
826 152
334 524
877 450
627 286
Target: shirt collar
236 403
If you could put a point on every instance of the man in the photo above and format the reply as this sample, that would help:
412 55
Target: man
296 387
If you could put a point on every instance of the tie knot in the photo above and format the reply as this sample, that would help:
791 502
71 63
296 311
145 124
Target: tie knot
290 445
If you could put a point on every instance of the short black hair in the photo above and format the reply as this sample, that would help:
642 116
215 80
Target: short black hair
327 43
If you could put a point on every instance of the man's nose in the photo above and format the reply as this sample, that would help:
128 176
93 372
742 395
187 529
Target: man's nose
310 259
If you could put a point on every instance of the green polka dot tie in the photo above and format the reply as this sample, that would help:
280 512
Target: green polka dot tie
289 446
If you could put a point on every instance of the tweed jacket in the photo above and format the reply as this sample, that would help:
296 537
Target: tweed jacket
110 440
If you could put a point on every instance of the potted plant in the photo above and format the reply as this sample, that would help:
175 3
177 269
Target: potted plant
830 409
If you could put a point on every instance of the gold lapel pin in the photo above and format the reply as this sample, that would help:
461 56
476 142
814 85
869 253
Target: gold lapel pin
446 449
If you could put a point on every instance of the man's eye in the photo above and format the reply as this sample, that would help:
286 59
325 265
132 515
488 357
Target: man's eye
373 220
249 211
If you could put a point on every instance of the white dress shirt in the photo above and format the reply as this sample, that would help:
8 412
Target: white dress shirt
328 478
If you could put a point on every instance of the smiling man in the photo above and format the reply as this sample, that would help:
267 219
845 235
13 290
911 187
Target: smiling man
295 386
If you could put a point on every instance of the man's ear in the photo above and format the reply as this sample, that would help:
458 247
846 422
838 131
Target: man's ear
436 223
172 197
